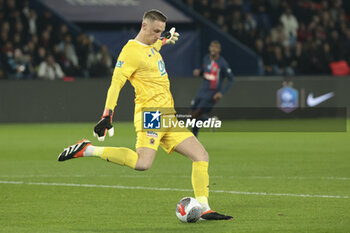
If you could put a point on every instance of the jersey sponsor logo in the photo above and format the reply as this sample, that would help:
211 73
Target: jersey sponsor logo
152 134
152 120
209 76
314 101
287 99
119 64
161 67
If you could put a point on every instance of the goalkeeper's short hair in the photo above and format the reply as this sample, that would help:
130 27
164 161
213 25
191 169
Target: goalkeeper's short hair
155 15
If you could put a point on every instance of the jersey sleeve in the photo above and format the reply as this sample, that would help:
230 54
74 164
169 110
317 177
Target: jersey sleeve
229 75
128 62
204 63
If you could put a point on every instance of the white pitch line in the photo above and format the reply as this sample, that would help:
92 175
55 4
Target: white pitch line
51 176
172 176
11 182
250 177
171 189
287 177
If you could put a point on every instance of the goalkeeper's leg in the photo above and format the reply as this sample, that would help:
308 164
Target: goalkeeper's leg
140 160
194 150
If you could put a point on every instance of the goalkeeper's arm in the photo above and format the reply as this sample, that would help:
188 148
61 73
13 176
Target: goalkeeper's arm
105 124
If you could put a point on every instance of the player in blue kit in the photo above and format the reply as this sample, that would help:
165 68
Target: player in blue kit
214 71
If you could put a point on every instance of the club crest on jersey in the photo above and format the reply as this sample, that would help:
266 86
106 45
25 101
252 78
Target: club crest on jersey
119 64
161 67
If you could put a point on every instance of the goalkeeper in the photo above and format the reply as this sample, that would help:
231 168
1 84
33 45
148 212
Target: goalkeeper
141 63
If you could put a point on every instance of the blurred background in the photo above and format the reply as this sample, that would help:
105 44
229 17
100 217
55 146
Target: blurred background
274 47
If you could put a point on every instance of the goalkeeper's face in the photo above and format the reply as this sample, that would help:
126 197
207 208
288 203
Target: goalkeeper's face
152 30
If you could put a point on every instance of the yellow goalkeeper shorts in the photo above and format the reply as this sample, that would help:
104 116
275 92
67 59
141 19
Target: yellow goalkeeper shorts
168 140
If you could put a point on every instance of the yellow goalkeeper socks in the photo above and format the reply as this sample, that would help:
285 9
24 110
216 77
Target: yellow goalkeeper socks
119 155
200 183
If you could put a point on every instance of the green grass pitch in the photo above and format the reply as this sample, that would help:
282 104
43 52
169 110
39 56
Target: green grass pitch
269 182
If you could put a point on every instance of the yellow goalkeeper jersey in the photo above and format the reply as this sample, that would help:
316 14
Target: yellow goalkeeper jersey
144 67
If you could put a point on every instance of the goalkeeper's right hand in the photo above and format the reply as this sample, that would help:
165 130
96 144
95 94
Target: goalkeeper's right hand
103 125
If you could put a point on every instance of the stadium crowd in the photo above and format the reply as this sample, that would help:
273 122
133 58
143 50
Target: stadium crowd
35 45
292 37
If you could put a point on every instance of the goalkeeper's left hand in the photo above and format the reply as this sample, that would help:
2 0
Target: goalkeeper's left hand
170 37
104 125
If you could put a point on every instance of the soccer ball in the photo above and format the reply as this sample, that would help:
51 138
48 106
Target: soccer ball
188 210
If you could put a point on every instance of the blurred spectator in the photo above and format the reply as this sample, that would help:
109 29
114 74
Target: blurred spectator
100 63
66 64
66 46
68 57
25 8
45 39
279 64
3 38
259 8
84 48
290 61
279 36
249 22
50 69
19 66
62 33
31 22
259 47
101 68
17 41
204 8
104 54
290 24
325 59
268 60
219 10
335 45
44 20
40 56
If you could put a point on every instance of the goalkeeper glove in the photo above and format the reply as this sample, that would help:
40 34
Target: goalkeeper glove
170 37
103 125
